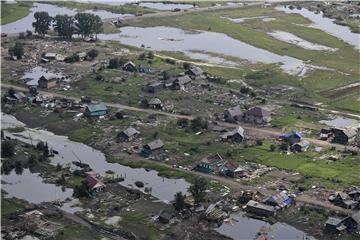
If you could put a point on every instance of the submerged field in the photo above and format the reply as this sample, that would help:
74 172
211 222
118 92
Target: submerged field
342 63
12 12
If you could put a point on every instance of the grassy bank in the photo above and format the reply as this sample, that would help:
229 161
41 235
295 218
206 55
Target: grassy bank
13 12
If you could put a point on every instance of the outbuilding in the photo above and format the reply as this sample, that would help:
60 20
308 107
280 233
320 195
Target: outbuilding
233 114
257 115
96 110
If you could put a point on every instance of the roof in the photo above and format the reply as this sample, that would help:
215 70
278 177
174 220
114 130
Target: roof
50 55
196 71
258 112
82 54
280 199
131 132
291 134
166 215
356 217
93 182
19 95
333 221
234 111
96 107
349 132
155 144
342 195
255 204
154 101
130 63
238 130
183 80
303 144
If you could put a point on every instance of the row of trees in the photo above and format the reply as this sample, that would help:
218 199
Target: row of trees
84 24
197 190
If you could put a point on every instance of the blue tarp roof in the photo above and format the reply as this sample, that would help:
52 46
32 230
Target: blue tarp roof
291 134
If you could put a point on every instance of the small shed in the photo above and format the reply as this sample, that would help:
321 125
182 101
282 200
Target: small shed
165 217
155 87
344 135
180 82
280 200
300 146
96 110
149 148
130 66
45 83
236 135
233 114
128 134
353 222
155 103
257 115
334 225
194 72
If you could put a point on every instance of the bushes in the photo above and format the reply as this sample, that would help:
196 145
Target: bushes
73 58
17 50
198 124
92 54
116 63
7 149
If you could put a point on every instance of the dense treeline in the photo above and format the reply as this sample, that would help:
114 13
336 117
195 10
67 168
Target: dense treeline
85 24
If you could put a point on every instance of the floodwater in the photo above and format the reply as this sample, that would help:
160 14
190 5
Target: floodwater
327 25
165 6
69 151
175 39
247 228
31 77
340 122
293 39
25 23
244 19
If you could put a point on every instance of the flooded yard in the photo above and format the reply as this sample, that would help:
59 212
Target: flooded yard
165 5
293 39
244 19
25 23
175 39
69 151
326 25
243 227
31 77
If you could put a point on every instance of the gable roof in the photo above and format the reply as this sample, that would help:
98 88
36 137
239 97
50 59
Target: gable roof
182 80
96 107
333 221
258 112
239 130
155 144
296 134
234 111
196 71
130 63
356 217
279 198
131 132
154 101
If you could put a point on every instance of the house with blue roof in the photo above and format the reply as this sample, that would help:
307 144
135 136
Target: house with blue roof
291 137
96 110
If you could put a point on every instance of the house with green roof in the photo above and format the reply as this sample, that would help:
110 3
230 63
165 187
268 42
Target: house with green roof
96 110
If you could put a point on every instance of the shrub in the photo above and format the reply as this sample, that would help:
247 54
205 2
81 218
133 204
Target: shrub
93 53
7 149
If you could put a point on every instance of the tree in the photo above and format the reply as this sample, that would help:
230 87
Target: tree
93 53
42 23
165 75
197 190
17 50
73 58
88 24
7 149
64 26
272 147
32 160
114 63
186 65
179 201
198 124
142 56
11 92
182 122
151 55
29 33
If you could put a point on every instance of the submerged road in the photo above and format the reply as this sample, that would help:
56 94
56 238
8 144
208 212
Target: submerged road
250 129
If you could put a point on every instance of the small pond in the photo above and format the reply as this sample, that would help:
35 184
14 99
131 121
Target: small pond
165 5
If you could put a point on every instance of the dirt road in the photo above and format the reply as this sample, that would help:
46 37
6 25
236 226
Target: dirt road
262 132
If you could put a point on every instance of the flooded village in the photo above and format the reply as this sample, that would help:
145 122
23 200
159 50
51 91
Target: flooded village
180 120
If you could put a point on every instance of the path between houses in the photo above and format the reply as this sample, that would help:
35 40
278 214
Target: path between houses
261 132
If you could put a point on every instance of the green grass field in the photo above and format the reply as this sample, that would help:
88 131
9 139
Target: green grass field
12 12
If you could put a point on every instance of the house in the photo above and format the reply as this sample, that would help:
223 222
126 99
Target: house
155 87
355 194
144 68
280 200
233 114
96 110
257 115
214 214
180 82
50 56
236 135
260 209
300 146
93 184
149 148
130 66
45 83
334 225
194 72
343 200
165 217
155 103
291 137
344 135
352 222
209 164
231 169
128 134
